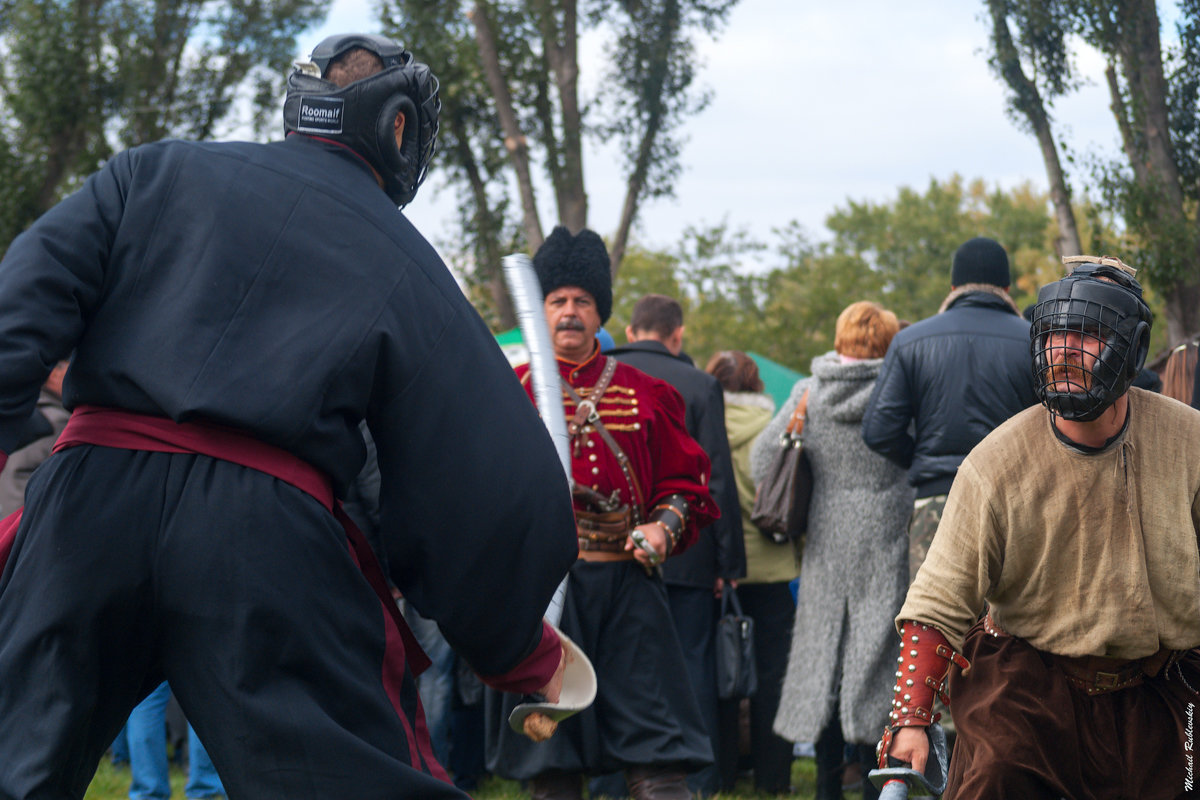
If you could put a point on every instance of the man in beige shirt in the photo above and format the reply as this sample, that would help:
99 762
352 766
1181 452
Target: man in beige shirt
1076 531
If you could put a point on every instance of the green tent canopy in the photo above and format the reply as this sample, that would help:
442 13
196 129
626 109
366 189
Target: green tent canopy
509 337
777 378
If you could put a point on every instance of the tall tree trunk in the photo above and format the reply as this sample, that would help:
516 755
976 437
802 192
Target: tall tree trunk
65 147
1139 48
1183 312
1124 126
636 184
514 139
560 41
1028 100
629 210
487 227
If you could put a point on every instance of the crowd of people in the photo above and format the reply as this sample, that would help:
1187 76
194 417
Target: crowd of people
290 472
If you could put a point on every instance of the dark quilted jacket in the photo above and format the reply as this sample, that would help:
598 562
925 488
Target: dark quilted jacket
946 382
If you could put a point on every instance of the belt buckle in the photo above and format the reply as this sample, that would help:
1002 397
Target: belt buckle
1105 680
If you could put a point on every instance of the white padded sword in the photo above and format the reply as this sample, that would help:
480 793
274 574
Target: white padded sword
535 719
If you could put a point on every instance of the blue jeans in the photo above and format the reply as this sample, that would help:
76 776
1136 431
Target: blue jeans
146 733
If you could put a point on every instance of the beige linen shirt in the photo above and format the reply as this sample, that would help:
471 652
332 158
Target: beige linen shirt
1079 554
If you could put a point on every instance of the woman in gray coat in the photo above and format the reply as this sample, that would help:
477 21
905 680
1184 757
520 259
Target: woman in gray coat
854 571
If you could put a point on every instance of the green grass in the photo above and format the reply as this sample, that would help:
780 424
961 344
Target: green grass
112 783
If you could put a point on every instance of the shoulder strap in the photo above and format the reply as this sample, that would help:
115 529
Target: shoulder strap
586 412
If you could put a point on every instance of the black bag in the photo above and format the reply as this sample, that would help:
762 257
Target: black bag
737 675
781 505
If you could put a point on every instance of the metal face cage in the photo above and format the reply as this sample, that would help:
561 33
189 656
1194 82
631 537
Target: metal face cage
1089 338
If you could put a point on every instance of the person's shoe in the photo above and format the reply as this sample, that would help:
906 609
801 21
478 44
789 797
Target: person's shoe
852 778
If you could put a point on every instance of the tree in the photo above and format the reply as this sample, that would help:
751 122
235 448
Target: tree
1043 28
82 78
1158 128
782 298
1154 93
526 54
470 154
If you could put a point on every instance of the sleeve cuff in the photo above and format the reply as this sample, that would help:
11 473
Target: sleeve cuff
535 670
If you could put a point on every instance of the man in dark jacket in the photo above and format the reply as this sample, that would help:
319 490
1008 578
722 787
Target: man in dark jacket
235 309
655 335
948 380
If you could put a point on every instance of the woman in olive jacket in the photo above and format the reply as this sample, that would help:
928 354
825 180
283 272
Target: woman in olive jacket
764 593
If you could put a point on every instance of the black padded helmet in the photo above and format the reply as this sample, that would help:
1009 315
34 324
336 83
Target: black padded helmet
361 114
1099 300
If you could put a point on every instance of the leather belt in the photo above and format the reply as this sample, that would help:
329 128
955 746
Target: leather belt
605 555
603 531
593 545
1100 674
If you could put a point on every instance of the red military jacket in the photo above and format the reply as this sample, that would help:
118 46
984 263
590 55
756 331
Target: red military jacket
645 417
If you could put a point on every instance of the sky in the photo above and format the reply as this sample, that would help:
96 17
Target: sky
815 104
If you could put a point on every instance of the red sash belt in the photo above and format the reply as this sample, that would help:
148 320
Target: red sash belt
109 427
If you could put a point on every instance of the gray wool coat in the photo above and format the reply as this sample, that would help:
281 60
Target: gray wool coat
854 572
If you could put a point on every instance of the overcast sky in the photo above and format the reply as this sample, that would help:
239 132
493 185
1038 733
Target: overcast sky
815 104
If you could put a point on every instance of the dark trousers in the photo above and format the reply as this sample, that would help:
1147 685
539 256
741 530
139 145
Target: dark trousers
1025 731
694 612
133 567
831 750
771 607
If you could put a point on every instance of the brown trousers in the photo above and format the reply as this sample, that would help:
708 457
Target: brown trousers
1024 731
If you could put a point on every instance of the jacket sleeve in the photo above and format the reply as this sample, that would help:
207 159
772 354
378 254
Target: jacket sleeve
726 531
964 563
50 279
767 442
679 464
475 509
885 425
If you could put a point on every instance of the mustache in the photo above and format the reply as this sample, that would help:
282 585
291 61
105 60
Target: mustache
1069 375
570 324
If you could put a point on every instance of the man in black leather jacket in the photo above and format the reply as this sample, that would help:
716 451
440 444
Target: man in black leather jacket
655 335
948 380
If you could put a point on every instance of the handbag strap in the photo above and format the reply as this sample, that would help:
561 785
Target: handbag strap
796 423
728 598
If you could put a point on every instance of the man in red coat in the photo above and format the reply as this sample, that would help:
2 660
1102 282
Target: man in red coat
639 477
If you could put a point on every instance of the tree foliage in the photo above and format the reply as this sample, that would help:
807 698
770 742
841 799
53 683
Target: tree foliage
518 118
1041 41
1154 92
83 78
470 154
782 298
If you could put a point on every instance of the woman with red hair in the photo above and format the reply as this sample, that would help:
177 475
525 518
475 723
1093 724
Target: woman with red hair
855 562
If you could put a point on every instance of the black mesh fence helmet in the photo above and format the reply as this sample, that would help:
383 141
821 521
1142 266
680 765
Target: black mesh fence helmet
1089 336
361 114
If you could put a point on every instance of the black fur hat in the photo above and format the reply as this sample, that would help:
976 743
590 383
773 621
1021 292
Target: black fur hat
580 260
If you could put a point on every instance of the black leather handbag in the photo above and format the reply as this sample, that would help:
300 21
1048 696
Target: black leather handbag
781 505
737 675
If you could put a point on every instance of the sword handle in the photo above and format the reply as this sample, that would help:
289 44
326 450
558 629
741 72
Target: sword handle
539 727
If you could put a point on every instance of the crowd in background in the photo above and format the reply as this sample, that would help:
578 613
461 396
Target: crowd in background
891 412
